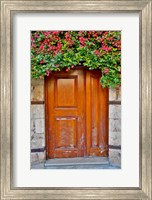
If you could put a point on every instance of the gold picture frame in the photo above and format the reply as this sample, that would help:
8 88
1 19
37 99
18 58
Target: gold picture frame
143 7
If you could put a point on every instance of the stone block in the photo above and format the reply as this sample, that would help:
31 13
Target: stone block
115 138
115 111
37 111
32 127
114 125
37 126
38 157
37 90
114 95
37 140
115 157
35 82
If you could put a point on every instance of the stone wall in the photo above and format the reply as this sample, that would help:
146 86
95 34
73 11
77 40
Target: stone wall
38 128
115 126
38 153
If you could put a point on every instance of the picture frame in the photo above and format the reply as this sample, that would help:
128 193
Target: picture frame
143 7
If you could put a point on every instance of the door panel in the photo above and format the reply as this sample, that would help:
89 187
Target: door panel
66 111
94 101
104 121
66 132
96 115
64 86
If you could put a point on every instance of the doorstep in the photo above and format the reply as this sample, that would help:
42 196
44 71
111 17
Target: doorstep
77 161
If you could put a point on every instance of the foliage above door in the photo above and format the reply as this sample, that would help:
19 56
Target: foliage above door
55 50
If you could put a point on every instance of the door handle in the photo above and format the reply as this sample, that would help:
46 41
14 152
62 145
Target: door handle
65 118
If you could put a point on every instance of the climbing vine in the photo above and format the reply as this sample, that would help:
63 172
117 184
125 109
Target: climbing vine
55 50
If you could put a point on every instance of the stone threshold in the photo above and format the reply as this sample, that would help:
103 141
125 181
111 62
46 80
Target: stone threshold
77 161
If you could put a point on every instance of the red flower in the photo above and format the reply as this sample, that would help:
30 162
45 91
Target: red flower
96 52
55 32
82 40
106 70
41 47
95 35
106 48
80 32
109 39
55 52
41 62
33 45
67 36
106 32
36 35
59 45
47 72
67 69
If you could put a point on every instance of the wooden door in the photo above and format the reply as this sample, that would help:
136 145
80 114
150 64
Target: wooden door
65 108
96 115
76 114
